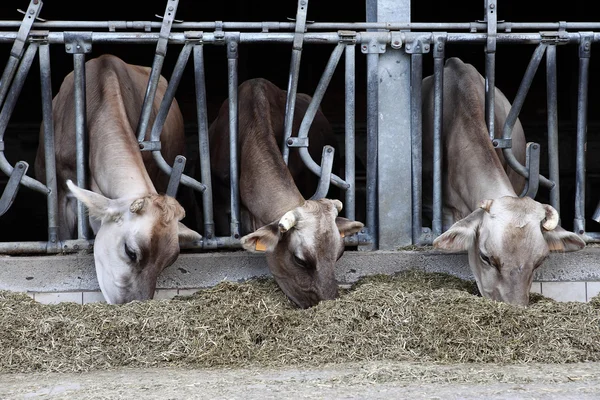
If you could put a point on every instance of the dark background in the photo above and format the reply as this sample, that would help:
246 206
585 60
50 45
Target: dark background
26 219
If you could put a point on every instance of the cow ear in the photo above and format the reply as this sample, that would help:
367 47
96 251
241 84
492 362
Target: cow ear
348 227
263 239
560 239
186 234
462 234
98 206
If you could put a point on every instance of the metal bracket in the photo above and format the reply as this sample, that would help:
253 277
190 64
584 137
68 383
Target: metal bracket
426 236
585 44
491 20
533 167
32 12
417 45
502 143
348 37
325 178
297 142
12 187
560 37
439 44
374 46
194 37
175 177
78 42
232 48
150 145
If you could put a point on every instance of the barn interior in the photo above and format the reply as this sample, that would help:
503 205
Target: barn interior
26 219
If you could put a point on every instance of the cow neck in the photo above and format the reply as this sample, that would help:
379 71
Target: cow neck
477 173
268 187
117 166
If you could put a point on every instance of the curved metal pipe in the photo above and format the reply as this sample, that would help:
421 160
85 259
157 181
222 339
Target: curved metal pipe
513 114
311 111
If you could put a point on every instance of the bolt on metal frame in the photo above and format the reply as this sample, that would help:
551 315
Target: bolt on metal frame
382 42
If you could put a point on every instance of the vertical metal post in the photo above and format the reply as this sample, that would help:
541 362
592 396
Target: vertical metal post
349 122
372 138
491 18
232 62
552 118
394 196
438 113
203 144
416 133
292 89
585 47
81 140
50 154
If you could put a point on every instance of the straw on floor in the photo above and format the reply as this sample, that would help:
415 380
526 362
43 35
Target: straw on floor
411 316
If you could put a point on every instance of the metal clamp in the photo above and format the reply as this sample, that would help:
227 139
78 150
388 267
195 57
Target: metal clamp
374 46
165 28
300 24
418 45
150 145
560 37
502 143
78 42
297 142
585 44
491 20
533 167
439 44
194 37
348 37
218 33
397 38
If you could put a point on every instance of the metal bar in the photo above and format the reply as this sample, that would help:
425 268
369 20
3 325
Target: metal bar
491 18
81 140
292 89
175 177
350 134
12 186
203 142
585 49
16 52
232 79
325 178
533 166
552 118
513 114
312 109
416 131
372 146
6 112
438 113
49 152
159 57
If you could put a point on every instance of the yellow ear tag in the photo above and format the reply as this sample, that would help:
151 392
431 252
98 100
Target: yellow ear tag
342 234
260 246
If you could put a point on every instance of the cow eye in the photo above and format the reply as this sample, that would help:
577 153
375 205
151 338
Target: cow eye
485 258
300 261
130 253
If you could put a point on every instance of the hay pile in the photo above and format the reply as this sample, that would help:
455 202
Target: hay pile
411 316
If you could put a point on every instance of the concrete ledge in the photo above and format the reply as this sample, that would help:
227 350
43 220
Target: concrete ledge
76 272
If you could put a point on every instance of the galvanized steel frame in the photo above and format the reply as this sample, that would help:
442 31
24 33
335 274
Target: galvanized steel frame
381 41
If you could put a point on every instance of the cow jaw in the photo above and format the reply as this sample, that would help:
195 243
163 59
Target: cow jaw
302 248
507 239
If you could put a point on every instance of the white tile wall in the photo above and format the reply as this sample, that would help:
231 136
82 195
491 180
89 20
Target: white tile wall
593 289
59 297
565 291
93 297
536 287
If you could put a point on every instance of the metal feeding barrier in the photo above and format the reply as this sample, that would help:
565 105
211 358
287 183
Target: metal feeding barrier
390 42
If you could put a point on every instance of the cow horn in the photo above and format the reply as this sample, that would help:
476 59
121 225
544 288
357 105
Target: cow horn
551 221
486 204
137 205
338 205
288 221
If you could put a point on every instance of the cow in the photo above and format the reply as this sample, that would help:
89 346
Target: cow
506 236
137 230
302 239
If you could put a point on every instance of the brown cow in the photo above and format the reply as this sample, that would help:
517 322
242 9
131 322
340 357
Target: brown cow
506 237
137 230
302 238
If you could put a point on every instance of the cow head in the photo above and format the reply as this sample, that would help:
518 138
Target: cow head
507 239
302 248
137 239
